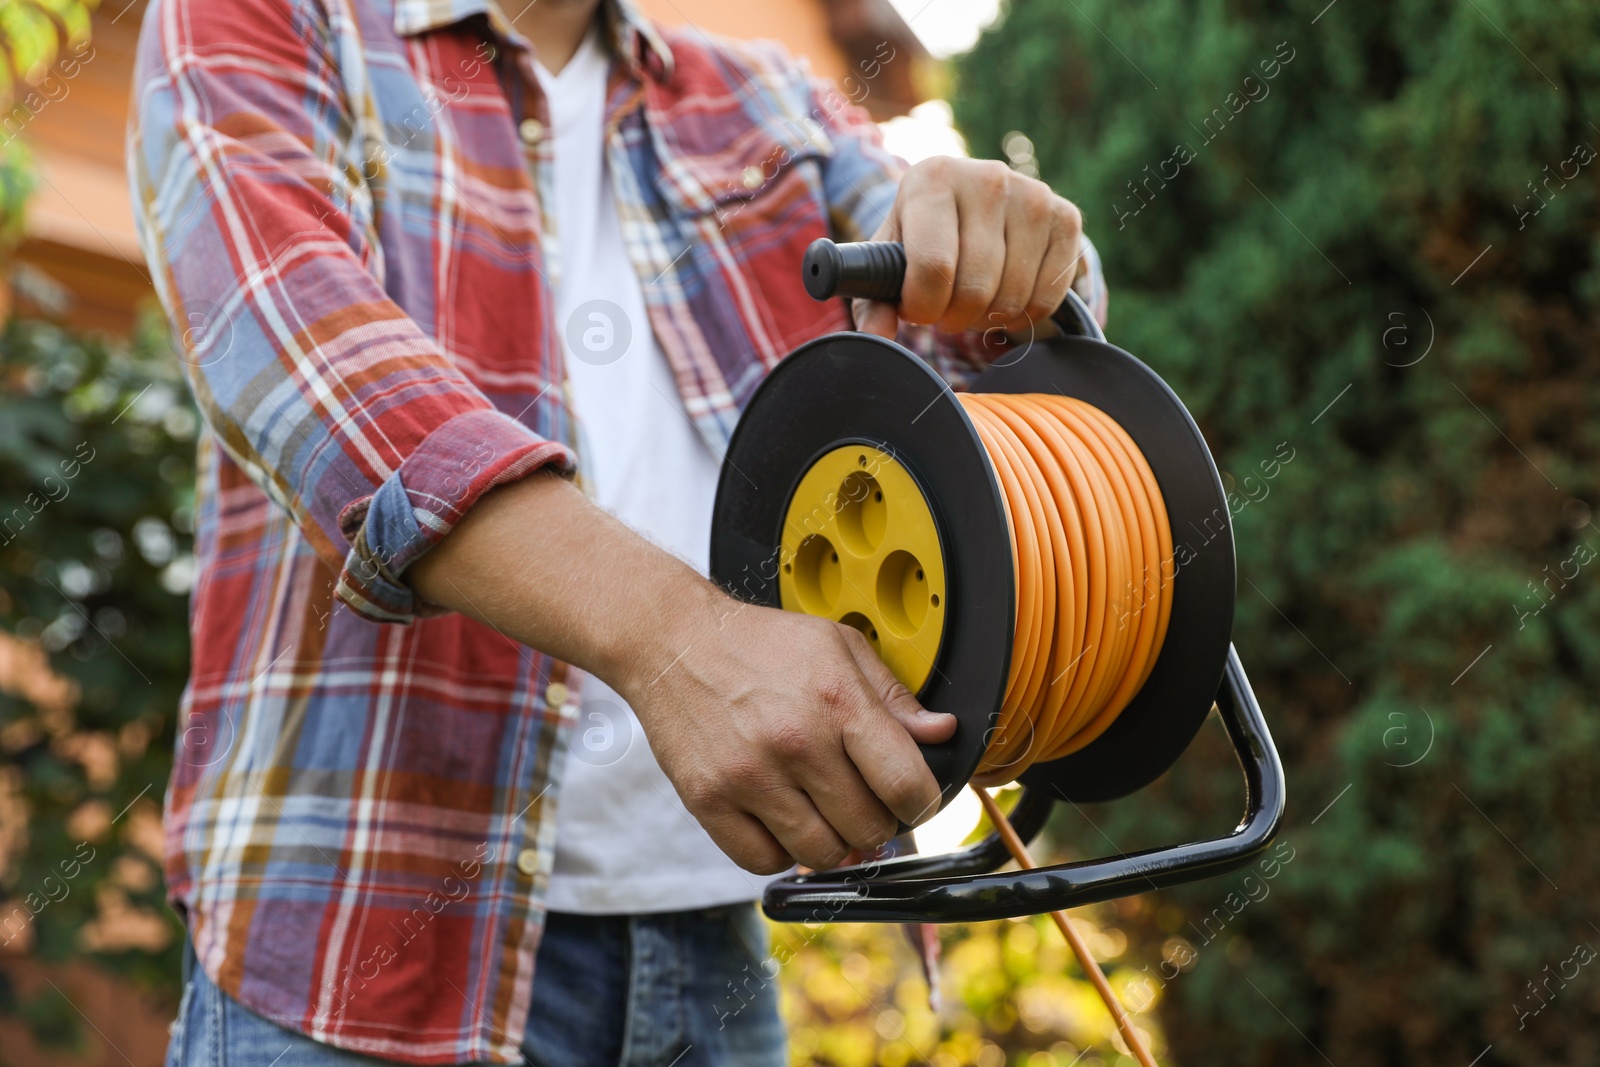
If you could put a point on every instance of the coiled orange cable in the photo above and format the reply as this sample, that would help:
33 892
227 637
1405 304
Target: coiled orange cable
1092 549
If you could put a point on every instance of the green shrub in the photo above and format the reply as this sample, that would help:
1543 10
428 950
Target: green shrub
96 496
1319 224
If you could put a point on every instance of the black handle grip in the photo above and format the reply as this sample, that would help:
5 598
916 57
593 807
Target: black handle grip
875 270
869 270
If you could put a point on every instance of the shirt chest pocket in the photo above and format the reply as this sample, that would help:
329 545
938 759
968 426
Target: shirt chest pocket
750 206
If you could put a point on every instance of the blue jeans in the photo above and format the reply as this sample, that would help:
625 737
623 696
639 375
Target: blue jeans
679 989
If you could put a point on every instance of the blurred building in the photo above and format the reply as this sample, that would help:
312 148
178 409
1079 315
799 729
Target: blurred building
80 258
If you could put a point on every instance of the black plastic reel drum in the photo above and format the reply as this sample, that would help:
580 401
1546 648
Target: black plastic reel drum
856 397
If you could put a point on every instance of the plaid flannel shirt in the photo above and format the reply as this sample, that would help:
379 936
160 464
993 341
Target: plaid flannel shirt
340 203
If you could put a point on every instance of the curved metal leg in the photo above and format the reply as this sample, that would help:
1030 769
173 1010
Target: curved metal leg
956 888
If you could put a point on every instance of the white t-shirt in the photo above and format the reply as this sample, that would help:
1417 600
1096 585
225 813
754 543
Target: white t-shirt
624 842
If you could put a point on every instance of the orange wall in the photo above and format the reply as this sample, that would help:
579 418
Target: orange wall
802 25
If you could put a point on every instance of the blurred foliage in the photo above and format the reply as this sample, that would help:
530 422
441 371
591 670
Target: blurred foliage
17 182
853 996
32 34
1365 234
96 494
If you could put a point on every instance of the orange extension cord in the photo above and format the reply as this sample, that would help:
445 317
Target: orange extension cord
1092 550
1091 967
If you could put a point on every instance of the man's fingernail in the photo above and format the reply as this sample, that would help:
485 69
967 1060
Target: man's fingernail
931 716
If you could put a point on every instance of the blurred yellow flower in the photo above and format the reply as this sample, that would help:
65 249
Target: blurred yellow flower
854 997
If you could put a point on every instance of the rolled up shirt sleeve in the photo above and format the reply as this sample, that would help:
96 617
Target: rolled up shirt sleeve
257 219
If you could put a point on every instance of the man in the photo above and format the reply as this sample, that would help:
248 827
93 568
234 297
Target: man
437 271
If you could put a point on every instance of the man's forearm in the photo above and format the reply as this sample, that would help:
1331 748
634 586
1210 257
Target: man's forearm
542 564
785 735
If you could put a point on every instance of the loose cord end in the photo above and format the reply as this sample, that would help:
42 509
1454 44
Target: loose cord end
1019 852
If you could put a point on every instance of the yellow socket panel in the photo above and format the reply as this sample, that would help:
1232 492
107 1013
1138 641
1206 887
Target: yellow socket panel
860 547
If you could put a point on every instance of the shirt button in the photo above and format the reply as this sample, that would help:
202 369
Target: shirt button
531 131
751 177
528 861
555 695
